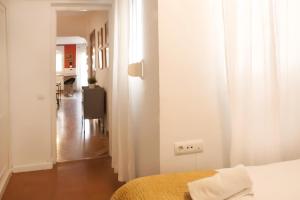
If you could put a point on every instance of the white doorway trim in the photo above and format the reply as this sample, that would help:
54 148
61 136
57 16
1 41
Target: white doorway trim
71 5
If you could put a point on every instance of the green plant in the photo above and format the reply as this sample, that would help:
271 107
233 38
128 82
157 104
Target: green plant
92 80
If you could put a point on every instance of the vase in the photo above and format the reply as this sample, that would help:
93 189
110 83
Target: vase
92 85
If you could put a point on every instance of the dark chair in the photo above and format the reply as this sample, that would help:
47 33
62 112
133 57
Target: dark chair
58 93
68 85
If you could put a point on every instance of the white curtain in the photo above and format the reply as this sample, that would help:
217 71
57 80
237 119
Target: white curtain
123 158
255 37
136 31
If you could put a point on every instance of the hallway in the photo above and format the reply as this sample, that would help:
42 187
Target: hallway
72 142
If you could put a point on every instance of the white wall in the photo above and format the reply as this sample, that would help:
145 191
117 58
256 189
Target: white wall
104 76
71 23
4 103
29 40
146 98
75 23
188 92
31 58
31 61
291 97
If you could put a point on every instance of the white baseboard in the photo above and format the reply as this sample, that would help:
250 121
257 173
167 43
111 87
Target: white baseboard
4 178
32 167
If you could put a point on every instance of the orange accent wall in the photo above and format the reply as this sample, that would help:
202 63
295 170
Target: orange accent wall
70 55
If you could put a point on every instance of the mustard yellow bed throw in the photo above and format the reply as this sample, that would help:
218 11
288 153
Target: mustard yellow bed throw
160 187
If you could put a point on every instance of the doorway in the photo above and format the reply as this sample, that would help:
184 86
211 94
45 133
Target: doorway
77 138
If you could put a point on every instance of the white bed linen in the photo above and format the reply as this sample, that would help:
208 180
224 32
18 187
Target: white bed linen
232 183
279 181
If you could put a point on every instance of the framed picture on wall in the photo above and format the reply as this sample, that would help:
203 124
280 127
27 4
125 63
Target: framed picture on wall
106 40
93 55
100 57
100 38
101 53
107 57
106 44
103 47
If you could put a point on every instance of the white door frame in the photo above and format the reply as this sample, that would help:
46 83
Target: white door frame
71 5
5 169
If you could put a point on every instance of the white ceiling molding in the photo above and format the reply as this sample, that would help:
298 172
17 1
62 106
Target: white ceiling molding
91 4
70 40
83 1
77 1
79 6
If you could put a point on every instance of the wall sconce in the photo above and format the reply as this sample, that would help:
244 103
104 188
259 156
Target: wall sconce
136 69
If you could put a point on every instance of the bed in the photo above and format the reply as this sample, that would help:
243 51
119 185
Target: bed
276 181
160 187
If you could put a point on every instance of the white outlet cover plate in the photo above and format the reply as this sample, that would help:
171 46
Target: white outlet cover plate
188 147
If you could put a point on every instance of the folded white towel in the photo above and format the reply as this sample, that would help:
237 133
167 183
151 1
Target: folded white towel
227 184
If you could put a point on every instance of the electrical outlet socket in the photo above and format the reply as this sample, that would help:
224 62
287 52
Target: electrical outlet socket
188 147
